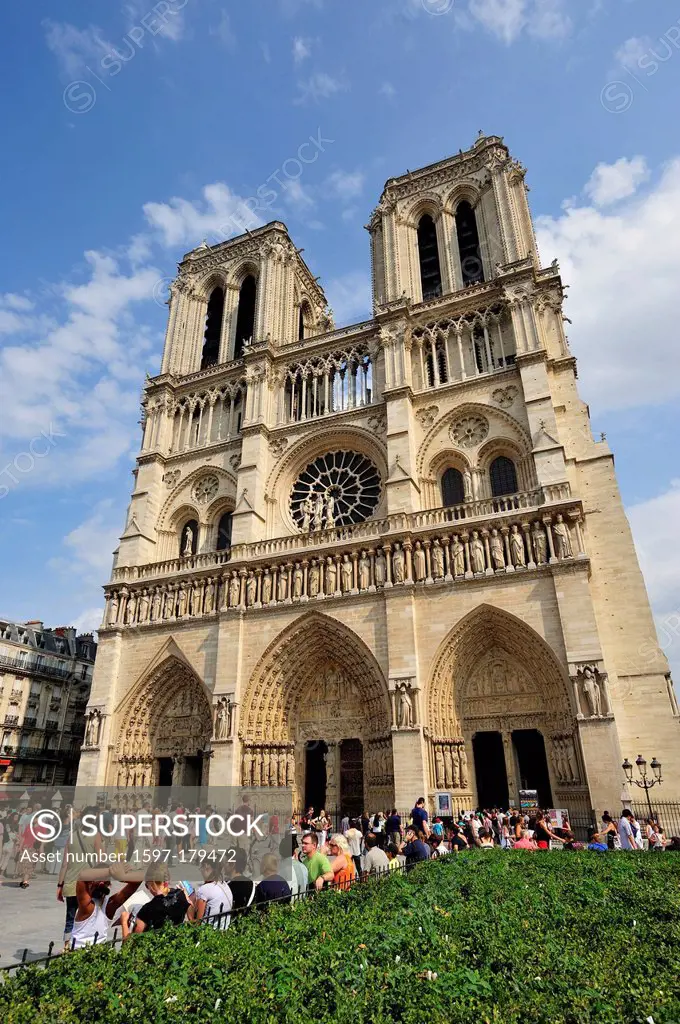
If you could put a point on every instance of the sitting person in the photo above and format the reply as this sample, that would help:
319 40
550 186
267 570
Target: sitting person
272 887
486 839
525 842
437 847
342 864
597 841
376 861
457 840
392 852
166 904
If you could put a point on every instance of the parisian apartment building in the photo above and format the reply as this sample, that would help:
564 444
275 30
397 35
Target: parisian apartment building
45 680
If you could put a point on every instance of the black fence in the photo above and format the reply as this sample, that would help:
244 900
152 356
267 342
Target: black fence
667 814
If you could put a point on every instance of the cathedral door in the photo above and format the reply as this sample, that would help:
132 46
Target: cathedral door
315 775
351 778
532 764
492 777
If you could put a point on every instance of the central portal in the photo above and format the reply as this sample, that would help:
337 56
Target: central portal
316 753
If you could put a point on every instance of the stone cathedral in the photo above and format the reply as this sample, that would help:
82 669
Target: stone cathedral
382 561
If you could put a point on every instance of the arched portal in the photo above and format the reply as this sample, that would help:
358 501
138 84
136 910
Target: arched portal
165 730
500 716
316 688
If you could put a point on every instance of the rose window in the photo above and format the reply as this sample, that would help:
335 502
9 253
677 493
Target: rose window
337 489
469 431
206 488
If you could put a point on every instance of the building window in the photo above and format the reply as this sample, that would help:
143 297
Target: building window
245 319
213 329
503 477
188 544
468 245
224 532
428 251
453 489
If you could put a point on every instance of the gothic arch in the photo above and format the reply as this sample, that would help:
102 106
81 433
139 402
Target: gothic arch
167 714
215 278
429 203
180 498
501 425
484 630
293 664
461 192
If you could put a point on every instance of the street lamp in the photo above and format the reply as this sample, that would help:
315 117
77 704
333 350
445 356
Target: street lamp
644 782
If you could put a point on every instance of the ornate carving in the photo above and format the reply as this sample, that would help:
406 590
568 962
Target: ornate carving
206 488
344 486
235 461
171 478
469 431
505 396
426 417
278 447
93 726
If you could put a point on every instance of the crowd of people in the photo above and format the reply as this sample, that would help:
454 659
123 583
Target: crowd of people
305 856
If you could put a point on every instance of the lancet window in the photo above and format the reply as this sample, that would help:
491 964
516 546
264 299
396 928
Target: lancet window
213 329
468 245
328 384
428 254
208 418
454 350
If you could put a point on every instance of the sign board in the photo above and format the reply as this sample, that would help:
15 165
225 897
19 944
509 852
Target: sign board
443 805
558 816
528 799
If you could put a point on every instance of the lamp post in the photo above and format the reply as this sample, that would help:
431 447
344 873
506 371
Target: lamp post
644 782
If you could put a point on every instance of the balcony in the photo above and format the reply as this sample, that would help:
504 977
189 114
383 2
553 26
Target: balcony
11 720
34 669
30 723
494 537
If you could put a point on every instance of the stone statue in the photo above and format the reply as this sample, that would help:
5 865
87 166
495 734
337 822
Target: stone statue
266 587
455 766
331 575
380 568
92 728
517 547
156 605
209 603
540 544
347 574
364 571
313 579
405 714
282 587
439 767
196 599
398 564
234 591
497 552
181 601
458 552
290 769
330 511
462 756
448 766
298 579
571 759
467 485
113 609
591 688
222 720
419 567
477 553
437 559
188 548
318 511
307 507
563 548
143 612
170 602
131 610
251 589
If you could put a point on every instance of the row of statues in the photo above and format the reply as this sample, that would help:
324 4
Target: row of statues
268 766
379 767
450 766
564 760
464 555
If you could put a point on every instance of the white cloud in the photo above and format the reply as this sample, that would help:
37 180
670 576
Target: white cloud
302 48
224 32
345 184
623 266
89 620
297 197
609 183
90 545
155 20
319 86
630 52
387 90
221 215
350 297
74 47
508 19
655 525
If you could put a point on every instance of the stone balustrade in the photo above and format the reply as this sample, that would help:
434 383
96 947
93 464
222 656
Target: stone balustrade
370 530
515 541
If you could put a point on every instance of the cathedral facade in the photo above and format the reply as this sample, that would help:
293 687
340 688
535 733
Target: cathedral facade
382 561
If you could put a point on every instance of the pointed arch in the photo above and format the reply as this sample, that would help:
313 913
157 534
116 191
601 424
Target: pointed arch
289 668
484 630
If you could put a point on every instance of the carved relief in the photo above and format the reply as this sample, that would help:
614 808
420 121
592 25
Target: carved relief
206 488
469 431
505 396
426 417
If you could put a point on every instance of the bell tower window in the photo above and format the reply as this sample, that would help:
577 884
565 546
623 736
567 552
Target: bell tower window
245 320
468 245
213 329
428 251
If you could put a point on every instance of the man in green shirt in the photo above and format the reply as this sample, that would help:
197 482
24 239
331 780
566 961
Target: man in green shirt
318 865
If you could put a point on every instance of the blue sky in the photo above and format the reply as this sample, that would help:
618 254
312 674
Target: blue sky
134 131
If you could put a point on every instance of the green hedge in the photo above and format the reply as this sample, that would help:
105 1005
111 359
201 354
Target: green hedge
512 937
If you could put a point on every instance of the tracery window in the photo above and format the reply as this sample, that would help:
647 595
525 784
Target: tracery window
337 489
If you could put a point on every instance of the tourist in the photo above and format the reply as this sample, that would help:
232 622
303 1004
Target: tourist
95 904
438 828
307 820
291 867
214 898
628 831
378 829
437 847
609 830
525 842
167 905
415 849
242 888
457 840
272 887
419 817
375 860
10 847
79 852
354 837
127 913
486 839
597 841
317 864
543 833
322 826
654 835
392 852
515 824
341 862
393 827
344 824
365 823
